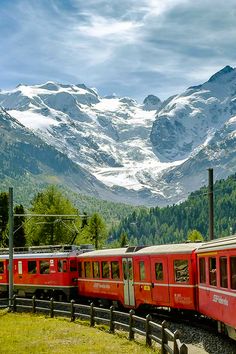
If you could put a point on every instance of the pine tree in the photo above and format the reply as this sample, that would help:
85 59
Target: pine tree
195 235
49 229
3 219
19 239
96 230
123 239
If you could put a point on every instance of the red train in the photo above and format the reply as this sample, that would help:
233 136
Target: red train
44 271
190 276
198 277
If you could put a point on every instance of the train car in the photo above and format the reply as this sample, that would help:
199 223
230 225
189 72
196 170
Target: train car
44 271
100 276
216 261
161 276
165 276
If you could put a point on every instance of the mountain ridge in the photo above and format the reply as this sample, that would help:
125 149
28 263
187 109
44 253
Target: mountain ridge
140 153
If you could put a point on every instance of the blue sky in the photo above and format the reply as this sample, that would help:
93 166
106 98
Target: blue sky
128 47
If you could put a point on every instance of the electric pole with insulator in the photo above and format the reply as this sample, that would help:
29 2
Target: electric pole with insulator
211 206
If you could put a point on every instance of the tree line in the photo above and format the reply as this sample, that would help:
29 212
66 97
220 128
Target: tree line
143 226
57 221
188 220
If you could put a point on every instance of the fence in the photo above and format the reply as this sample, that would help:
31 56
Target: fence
168 341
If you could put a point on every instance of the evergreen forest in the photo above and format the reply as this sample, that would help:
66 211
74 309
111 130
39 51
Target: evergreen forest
173 223
106 224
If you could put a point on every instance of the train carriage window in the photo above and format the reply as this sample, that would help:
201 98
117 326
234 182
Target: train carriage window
142 274
115 270
32 267
1 267
44 267
130 266
62 266
20 267
212 271
73 265
125 269
233 272
202 270
159 271
105 270
223 272
87 269
80 270
181 270
96 270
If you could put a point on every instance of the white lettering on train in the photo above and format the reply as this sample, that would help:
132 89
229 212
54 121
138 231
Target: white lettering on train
101 286
220 300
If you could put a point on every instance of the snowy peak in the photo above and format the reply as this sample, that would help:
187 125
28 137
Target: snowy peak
151 103
222 74
189 121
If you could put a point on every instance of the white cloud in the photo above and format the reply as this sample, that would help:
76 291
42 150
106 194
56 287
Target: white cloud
130 47
103 28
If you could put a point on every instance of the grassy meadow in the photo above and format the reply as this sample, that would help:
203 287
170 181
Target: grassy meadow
31 334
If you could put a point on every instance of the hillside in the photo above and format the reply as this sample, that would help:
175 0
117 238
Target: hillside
172 223
26 187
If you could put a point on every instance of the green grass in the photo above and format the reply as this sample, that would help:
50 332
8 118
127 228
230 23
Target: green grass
31 334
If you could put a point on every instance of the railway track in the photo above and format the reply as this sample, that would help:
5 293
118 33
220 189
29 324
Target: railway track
197 332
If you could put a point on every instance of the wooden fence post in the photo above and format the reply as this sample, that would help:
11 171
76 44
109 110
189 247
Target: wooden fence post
33 304
92 321
164 339
176 336
51 308
148 331
131 325
72 311
183 349
112 326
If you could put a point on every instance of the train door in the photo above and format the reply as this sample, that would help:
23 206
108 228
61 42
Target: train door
128 278
160 281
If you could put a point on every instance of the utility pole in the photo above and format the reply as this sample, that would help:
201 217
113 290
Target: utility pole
211 206
11 225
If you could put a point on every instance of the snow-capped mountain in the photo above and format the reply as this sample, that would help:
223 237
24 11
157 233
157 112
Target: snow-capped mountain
154 153
26 156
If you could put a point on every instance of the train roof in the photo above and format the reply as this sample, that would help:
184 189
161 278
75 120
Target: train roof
46 251
170 248
105 252
218 244
144 250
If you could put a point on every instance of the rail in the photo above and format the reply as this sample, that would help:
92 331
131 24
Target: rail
153 332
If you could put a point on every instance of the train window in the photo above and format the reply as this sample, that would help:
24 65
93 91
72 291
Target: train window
115 270
142 275
32 267
125 270
105 269
159 271
62 266
181 270
73 265
223 272
202 270
44 267
233 272
212 271
80 272
20 267
96 270
130 265
1 267
87 269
